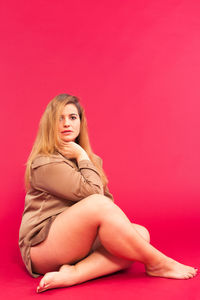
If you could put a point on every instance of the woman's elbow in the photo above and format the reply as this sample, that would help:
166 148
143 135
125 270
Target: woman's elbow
97 190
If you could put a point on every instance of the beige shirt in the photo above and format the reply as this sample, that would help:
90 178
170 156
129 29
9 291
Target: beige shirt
56 183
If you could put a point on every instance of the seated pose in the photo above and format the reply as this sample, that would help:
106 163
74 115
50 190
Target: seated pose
71 229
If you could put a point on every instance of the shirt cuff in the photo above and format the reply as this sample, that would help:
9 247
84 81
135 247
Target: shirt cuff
87 164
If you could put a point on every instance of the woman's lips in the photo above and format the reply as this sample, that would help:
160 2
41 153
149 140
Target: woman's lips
66 132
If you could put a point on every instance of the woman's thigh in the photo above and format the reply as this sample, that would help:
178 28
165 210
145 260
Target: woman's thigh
71 234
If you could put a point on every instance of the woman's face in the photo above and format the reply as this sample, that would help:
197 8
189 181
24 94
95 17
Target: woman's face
69 123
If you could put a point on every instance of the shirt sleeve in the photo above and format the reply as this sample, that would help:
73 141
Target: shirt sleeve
64 181
106 189
108 194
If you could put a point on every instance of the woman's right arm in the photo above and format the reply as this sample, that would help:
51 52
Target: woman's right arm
62 180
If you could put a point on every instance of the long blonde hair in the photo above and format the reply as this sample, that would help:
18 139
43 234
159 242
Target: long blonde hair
47 140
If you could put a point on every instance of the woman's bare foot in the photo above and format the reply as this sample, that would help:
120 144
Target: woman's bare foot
170 268
66 276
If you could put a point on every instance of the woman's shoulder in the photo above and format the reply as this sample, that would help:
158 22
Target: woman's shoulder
42 159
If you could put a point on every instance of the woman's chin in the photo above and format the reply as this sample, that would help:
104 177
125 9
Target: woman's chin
68 140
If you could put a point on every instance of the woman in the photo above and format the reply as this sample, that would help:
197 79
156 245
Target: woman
71 229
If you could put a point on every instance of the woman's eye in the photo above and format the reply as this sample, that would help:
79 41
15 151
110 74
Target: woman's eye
72 118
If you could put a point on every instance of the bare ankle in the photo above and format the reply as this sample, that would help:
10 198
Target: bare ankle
157 264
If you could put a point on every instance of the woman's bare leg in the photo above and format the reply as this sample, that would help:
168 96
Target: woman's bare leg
99 263
79 226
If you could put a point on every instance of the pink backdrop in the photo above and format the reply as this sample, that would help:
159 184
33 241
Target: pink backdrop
135 66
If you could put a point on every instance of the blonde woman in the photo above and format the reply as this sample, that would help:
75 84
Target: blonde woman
71 229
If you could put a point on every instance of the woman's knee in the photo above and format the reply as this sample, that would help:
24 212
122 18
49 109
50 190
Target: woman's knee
98 203
146 234
143 231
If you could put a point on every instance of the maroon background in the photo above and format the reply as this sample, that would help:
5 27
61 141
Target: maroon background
135 66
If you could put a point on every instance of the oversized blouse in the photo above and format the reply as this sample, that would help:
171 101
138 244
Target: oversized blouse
56 183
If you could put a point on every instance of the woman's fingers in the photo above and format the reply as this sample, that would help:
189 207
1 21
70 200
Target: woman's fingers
71 149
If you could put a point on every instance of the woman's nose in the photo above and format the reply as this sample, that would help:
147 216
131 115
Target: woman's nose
66 122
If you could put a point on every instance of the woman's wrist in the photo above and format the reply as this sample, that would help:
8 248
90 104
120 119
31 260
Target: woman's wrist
82 156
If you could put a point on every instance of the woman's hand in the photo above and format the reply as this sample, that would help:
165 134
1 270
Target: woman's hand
73 150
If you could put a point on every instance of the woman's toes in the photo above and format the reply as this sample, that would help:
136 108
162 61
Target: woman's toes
189 275
193 272
44 283
63 278
42 289
39 289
